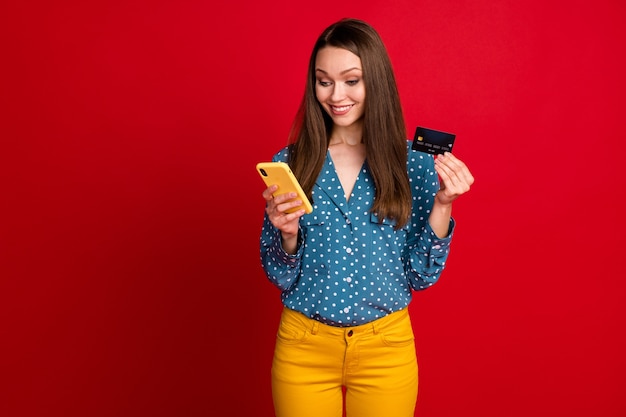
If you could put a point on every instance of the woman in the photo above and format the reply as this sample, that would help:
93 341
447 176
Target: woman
380 229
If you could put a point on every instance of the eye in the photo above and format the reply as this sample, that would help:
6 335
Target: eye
352 82
324 83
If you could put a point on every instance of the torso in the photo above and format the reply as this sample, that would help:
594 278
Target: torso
353 268
348 161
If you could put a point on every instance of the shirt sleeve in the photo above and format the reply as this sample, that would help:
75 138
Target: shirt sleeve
426 252
281 268
428 258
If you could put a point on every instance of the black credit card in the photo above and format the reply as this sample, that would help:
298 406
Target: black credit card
432 141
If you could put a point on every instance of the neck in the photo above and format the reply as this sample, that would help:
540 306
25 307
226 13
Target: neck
352 135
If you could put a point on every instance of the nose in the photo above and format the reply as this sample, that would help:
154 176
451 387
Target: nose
338 93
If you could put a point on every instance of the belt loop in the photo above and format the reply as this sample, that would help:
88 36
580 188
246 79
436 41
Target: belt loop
315 327
375 326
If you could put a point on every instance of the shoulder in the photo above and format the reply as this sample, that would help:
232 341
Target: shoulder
418 162
282 155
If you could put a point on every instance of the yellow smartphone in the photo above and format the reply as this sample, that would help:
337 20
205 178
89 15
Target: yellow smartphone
279 173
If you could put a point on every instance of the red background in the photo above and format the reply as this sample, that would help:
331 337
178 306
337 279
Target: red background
130 283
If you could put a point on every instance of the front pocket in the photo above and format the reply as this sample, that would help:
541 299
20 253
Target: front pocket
393 341
398 336
316 230
386 245
290 334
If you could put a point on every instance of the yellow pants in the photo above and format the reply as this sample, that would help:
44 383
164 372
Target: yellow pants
375 362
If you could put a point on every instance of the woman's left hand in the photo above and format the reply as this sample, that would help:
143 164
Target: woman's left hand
456 178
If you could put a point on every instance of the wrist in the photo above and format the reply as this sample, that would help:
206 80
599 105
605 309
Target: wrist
290 241
442 207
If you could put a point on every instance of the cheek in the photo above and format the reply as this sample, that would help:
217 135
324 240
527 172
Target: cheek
362 95
319 94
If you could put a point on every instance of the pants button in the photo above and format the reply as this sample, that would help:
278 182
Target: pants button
350 333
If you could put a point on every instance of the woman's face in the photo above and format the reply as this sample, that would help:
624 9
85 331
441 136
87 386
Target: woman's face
340 88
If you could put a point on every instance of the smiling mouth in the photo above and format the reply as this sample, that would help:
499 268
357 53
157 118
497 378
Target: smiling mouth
339 110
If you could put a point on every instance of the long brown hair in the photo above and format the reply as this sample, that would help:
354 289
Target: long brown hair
384 132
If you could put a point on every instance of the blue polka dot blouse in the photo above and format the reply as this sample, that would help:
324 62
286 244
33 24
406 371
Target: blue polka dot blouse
349 270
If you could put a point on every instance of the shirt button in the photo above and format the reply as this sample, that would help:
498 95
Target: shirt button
349 250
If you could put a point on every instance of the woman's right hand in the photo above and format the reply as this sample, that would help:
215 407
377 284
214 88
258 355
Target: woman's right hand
287 223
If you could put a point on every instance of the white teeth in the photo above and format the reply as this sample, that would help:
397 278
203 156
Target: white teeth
344 108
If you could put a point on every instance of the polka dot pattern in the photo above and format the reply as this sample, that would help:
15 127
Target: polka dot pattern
349 269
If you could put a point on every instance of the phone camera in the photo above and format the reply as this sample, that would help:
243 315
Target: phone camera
263 172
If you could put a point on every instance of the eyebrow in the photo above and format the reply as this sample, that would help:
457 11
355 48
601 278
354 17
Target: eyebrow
342 72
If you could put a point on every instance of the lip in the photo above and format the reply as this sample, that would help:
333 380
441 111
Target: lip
341 110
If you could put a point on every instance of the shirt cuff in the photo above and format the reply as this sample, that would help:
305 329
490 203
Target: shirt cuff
279 252
448 235
440 244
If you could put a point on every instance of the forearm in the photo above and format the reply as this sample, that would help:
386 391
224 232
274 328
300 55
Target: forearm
427 255
281 268
290 243
439 219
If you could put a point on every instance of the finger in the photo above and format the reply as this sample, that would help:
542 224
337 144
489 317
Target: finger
277 208
458 171
287 206
268 193
454 184
283 198
450 161
287 222
289 217
446 171
463 173
460 168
